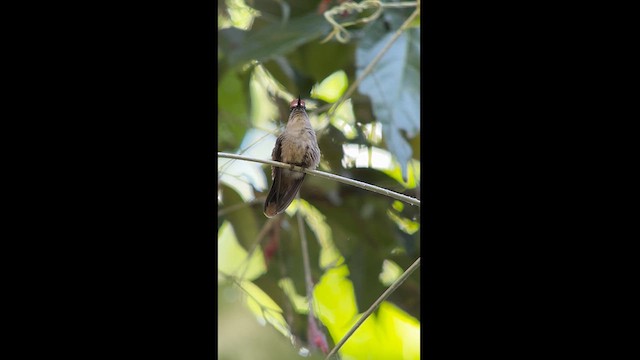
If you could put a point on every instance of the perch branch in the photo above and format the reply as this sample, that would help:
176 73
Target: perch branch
356 183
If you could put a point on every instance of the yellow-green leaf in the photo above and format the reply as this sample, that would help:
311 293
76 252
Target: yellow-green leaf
232 257
331 88
264 308
390 272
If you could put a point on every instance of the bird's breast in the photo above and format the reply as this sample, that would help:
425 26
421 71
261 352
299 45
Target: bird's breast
295 147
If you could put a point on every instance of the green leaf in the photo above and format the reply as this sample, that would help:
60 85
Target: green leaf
335 300
233 117
265 309
359 156
407 225
393 87
278 39
412 176
344 120
232 257
390 272
401 329
237 14
331 88
299 302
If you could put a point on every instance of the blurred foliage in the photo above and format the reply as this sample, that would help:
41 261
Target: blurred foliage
269 52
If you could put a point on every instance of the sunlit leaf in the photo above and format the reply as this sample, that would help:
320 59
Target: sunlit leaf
390 272
299 302
265 309
373 132
388 333
239 15
331 88
232 257
400 328
406 225
367 342
344 120
335 300
359 156
413 174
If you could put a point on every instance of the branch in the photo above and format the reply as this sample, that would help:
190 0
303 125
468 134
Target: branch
305 257
375 305
322 174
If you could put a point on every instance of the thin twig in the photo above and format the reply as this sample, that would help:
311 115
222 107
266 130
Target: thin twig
305 254
375 305
305 260
307 275
344 180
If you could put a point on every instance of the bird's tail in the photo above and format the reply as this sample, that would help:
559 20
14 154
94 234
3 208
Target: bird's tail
283 191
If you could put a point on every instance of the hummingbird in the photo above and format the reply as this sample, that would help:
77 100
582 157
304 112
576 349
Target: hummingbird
297 145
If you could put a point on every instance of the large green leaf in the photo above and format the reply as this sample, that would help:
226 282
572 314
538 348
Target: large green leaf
278 39
393 87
